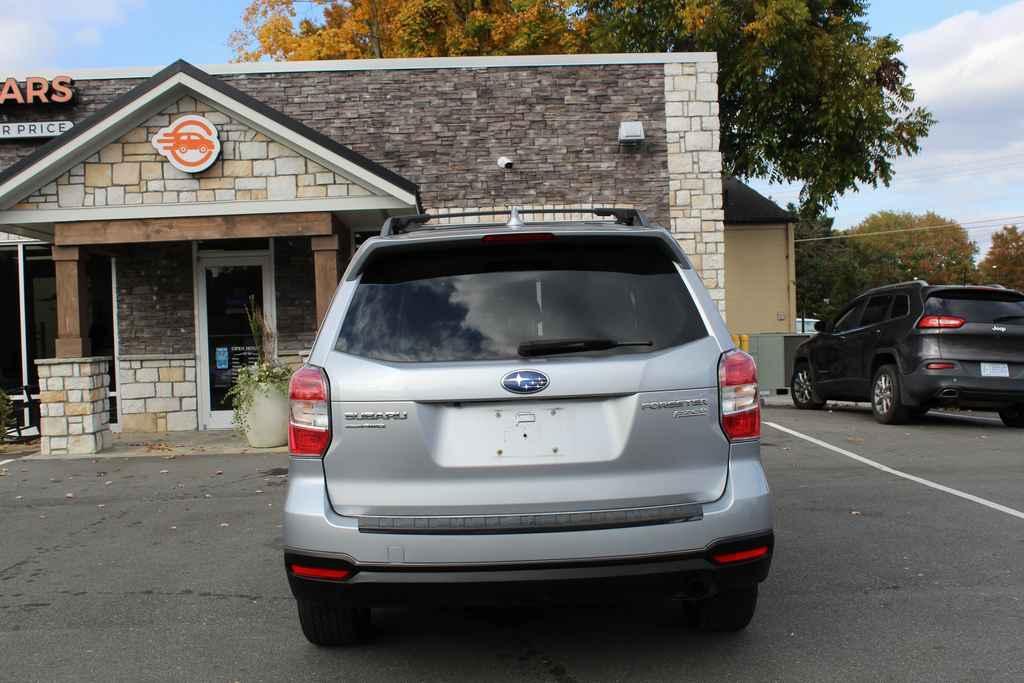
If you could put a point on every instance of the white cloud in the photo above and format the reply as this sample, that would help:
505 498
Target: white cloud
967 71
31 37
88 36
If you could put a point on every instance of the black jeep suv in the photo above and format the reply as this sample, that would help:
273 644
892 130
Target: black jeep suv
911 346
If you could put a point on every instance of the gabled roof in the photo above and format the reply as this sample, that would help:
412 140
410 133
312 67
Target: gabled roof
745 206
178 79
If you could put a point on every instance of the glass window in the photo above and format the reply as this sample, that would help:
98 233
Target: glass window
480 302
876 310
10 315
978 306
900 306
849 319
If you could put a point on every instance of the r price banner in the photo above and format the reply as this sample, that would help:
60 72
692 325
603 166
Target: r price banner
33 129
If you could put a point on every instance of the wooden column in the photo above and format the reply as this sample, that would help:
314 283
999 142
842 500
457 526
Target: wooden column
72 309
325 268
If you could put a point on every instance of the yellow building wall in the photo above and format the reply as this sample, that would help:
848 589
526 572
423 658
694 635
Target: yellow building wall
760 278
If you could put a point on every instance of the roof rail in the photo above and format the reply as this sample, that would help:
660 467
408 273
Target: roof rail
908 283
396 225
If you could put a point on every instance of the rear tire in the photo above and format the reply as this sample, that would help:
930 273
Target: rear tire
801 389
727 612
886 403
329 625
1013 416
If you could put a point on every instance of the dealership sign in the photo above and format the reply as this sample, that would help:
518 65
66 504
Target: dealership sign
37 90
190 143
33 129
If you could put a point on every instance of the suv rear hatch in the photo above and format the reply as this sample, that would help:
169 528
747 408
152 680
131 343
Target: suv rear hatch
425 424
980 325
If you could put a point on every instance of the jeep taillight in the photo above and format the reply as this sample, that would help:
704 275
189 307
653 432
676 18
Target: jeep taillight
938 322
309 427
740 405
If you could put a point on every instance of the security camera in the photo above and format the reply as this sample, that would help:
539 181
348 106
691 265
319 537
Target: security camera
505 163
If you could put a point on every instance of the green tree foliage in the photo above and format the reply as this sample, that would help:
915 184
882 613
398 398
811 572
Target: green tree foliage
1004 263
828 271
887 247
807 94
903 246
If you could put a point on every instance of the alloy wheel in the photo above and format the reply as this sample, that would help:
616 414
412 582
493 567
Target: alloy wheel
802 386
883 394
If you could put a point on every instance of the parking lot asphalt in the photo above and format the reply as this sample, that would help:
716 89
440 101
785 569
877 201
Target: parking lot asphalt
170 569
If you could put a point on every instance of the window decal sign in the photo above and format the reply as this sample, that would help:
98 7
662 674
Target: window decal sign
190 143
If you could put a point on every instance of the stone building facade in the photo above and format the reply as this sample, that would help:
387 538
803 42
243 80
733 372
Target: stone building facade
314 155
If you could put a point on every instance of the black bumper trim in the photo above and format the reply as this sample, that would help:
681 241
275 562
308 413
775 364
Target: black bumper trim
689 575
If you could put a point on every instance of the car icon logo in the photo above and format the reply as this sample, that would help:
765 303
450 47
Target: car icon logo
190 143
524 381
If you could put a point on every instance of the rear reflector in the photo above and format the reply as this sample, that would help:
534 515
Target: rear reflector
506 238
325 573
940 366
737 387
932 322
309 427
740 556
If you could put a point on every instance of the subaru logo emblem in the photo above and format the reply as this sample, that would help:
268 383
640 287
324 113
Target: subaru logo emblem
524 381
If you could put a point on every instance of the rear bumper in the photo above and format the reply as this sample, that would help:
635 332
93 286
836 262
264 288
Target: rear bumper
956 388
399 565
689 576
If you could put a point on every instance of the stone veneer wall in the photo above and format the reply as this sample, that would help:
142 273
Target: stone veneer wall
74 405
695 170
251 168
158 393
155 306
296 294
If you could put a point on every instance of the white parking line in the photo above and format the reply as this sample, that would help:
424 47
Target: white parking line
897 473
6 461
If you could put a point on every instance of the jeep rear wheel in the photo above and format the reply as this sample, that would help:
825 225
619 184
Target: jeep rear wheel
727 612
886 403
326 624
802 389
1013 416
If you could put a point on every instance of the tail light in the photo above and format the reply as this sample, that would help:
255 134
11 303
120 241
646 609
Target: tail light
740 555
737 387
934 322
940 366
309 427
322 573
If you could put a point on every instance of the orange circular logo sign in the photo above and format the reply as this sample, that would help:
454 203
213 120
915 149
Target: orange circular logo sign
190 143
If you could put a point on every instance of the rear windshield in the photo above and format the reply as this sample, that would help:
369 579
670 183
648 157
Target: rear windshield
978 306
480 302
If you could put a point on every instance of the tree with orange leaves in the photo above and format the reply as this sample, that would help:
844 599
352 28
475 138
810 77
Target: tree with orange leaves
1004 262
405 28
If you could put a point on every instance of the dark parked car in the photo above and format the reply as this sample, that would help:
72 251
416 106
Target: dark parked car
910 347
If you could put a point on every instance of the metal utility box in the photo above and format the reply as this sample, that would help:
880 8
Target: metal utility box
774 353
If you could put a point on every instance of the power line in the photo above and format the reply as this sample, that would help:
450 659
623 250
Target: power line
989 223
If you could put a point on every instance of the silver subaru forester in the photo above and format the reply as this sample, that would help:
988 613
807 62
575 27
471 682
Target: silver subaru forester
530 410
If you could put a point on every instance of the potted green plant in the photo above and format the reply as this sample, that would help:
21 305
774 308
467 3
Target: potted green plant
260 392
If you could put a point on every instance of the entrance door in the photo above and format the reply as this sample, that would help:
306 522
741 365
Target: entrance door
226 286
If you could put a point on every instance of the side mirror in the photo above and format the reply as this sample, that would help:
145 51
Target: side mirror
821 326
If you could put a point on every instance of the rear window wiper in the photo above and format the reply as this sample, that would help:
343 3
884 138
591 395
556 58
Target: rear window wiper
548 347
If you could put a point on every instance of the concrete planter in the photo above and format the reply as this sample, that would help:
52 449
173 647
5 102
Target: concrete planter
267 422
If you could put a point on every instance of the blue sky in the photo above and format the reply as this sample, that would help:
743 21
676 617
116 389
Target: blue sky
962 58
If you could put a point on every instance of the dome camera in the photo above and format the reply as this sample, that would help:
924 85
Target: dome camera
505 163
